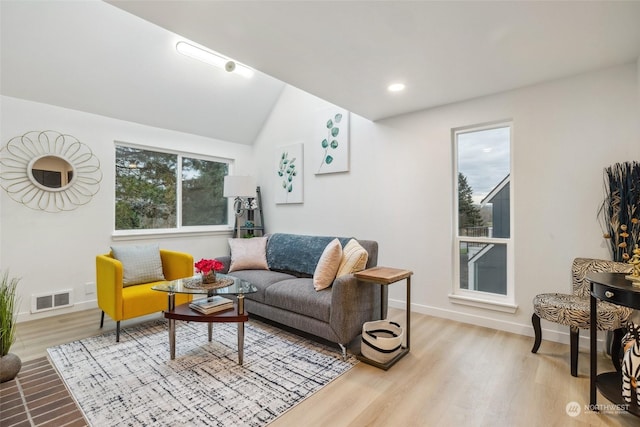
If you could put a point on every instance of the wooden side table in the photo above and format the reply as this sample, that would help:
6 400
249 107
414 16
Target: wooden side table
385 276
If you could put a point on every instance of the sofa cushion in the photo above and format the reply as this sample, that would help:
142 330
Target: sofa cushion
299 296
297 253
327 266
354 258
261 279
140 263
248 254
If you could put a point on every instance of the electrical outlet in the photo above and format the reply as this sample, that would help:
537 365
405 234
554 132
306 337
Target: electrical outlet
89 288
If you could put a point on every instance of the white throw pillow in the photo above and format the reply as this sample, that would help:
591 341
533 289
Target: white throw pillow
140 263
354 258
327 265
248 254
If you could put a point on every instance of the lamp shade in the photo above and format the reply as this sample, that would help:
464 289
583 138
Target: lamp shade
239 186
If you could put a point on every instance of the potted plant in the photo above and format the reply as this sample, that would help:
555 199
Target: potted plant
10 363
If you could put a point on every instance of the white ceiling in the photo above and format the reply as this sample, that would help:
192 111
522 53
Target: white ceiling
94 57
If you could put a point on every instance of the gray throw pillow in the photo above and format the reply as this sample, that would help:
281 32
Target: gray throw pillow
140 263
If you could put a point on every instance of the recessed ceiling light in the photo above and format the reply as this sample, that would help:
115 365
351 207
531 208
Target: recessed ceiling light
214 59
396 87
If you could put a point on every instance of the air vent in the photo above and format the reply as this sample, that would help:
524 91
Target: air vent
44 302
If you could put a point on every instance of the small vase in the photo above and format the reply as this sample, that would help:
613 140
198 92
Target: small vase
209 277
9 367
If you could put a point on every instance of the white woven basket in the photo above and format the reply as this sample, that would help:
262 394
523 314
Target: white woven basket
381 340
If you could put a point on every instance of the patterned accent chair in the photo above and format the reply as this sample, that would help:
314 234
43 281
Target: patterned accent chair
574 310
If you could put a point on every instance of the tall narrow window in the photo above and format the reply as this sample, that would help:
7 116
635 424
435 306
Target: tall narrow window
160 190
483 244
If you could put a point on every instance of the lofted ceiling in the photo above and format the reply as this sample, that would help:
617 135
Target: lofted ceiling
118 58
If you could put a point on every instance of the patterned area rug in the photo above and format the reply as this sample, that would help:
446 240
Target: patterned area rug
134 383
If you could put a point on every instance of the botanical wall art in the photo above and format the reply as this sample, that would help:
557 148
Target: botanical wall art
331 141
289 174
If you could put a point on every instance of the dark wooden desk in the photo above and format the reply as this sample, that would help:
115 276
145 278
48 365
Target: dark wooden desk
613 288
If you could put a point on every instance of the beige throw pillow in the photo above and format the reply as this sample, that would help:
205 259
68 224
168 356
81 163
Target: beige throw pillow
327 265
354 258
248 254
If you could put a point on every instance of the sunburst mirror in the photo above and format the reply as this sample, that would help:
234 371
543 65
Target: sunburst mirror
49 171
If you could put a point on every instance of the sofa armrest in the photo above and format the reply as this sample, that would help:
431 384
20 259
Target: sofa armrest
226 262
176 265
353 302
109 285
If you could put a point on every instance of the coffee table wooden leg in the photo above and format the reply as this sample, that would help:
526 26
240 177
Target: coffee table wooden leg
240 342
210 330
172 326
172 338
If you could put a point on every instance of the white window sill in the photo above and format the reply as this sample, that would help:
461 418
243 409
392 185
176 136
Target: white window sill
504 307
169 233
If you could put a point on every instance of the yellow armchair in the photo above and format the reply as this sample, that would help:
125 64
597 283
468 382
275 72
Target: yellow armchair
122 303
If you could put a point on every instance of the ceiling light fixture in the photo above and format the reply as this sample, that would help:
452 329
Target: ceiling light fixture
396 87
214 59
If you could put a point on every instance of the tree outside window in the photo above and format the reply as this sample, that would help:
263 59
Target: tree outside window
147 193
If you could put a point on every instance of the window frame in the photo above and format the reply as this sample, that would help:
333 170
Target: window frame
193 230
475 298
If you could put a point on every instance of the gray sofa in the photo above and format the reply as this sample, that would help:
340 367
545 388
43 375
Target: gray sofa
286 294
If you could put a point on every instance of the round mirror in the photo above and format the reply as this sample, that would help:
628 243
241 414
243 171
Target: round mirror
51 172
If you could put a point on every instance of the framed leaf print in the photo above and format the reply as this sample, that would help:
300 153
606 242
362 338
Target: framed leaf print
331 141
289 169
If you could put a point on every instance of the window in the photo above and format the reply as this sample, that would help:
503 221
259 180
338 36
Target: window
148 195
483 244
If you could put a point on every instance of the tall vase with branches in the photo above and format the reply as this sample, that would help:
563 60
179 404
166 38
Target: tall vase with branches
619 213
10 364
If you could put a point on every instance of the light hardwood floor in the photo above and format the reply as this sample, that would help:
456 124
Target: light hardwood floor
456 374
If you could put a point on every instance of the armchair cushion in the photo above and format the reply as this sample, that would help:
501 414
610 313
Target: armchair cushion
140 263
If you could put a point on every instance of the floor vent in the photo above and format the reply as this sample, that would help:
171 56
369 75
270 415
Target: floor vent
44 302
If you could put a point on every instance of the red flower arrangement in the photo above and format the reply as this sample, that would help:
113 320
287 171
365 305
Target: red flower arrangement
207 265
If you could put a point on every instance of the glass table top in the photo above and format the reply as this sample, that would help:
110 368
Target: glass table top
189 285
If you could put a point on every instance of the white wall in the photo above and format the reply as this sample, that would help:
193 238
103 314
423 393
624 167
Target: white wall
56 251
399 190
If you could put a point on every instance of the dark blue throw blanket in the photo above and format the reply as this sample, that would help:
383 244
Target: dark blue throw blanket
295 253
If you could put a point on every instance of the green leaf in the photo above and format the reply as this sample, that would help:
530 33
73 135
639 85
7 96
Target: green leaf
280 173
334 132
328 160
284 184
338 117
290 188
325 143
334 144
289 178
329 124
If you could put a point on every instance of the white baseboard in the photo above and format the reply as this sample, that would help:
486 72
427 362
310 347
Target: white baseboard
513 327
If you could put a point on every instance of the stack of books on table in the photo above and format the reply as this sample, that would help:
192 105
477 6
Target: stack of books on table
211 304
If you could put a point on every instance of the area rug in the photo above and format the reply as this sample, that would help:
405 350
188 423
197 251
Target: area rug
134 382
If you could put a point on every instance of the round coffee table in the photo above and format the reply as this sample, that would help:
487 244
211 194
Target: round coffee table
189 285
